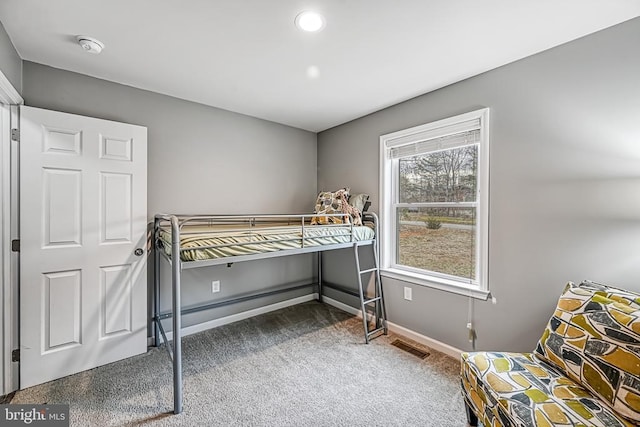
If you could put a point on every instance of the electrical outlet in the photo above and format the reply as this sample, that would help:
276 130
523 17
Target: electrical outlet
408 293
215 286
472 332
494 300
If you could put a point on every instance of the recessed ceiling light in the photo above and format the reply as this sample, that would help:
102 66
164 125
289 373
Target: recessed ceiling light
313 72
310 21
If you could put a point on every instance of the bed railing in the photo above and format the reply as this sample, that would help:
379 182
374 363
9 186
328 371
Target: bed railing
233 231
179 227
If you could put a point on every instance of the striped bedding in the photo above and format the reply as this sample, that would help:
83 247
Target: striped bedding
213 243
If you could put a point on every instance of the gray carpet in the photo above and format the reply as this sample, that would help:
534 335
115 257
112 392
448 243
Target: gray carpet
305 365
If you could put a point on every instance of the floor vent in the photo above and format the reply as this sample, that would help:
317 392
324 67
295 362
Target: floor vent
410 349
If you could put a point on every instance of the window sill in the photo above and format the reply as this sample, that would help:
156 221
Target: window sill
435 283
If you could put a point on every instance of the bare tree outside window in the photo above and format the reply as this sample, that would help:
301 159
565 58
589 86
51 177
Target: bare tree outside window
436 213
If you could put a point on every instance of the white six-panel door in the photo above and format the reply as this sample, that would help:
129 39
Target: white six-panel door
83 287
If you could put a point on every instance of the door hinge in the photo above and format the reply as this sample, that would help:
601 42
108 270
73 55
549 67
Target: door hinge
15 245
15 355
15 135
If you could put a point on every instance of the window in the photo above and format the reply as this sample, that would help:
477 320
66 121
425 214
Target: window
434 204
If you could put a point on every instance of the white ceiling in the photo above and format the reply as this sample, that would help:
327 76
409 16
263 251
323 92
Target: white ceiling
247 56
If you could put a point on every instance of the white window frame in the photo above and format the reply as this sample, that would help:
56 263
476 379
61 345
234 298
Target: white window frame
389 193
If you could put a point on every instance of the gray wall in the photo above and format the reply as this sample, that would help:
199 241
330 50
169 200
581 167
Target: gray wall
202 160
565 184
10 62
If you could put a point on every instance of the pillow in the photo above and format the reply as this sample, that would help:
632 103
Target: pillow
593 337
358 201
331 203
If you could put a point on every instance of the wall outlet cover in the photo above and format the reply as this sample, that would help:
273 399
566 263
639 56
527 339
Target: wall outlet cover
215 286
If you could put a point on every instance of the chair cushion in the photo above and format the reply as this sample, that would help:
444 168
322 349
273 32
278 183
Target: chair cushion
516 389
593 337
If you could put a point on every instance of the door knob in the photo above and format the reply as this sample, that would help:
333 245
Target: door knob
138 252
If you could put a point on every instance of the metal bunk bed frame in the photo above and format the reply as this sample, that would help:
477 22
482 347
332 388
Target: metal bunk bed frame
176 223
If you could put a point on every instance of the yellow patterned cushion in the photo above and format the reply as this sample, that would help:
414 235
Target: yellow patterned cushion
516 389
593 337
331 203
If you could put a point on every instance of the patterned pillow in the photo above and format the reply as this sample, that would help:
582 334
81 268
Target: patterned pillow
331 203
594 338
358 201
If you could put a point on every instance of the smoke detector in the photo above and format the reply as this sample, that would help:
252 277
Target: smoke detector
89 44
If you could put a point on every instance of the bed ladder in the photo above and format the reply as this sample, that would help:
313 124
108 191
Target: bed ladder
376 302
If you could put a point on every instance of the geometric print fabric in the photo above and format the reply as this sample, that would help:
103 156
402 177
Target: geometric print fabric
585 370
331 203
336 202
517 389
593 338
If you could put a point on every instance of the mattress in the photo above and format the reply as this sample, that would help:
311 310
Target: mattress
206 243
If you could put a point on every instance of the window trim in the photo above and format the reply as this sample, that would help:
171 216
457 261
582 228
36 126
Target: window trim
388 215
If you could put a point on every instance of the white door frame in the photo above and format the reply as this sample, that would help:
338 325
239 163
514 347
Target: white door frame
9 332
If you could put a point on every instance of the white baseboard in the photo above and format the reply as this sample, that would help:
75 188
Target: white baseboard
342 306
189 330
401 330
